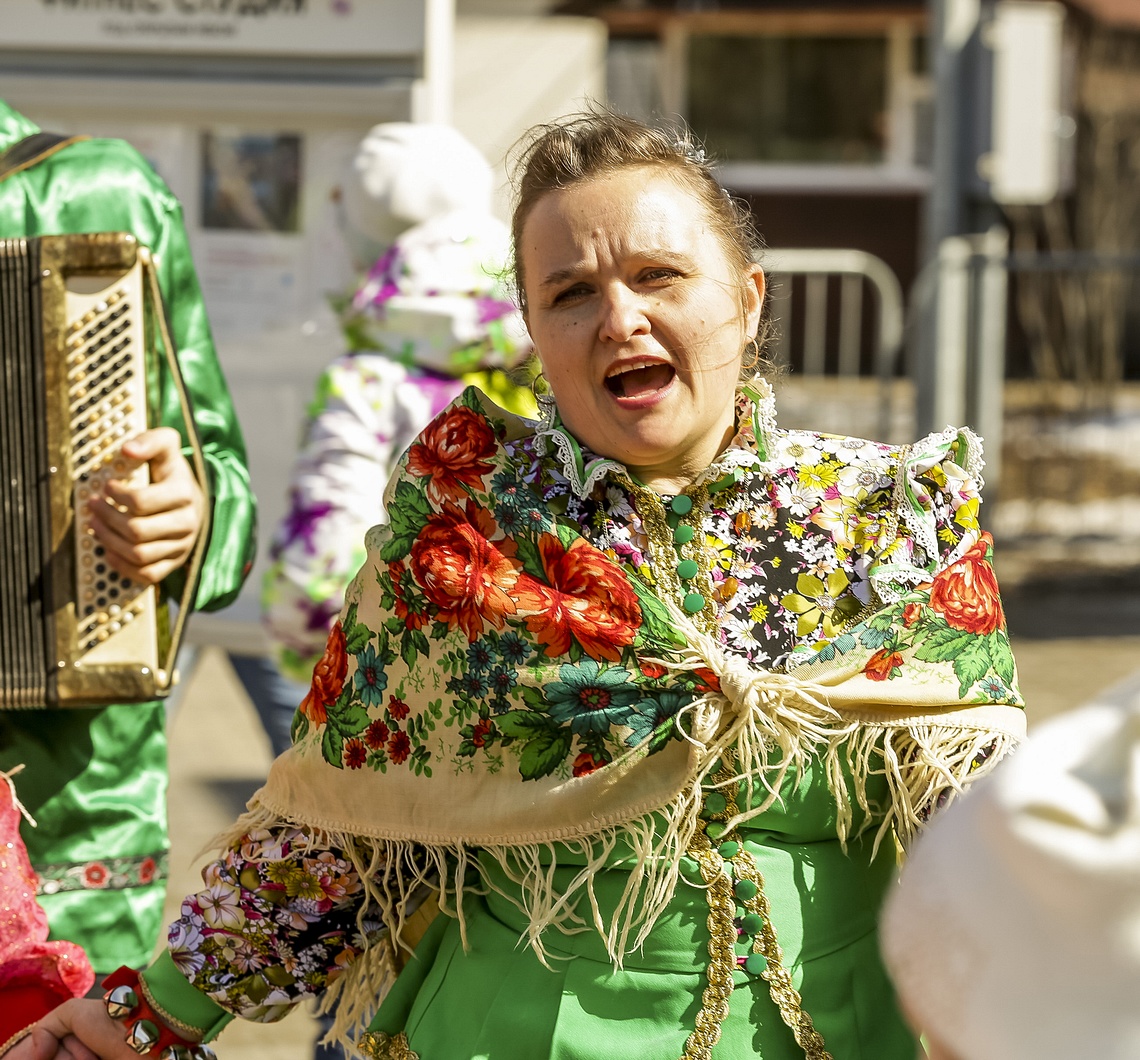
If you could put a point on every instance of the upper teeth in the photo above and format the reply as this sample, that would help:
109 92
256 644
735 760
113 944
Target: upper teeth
621 369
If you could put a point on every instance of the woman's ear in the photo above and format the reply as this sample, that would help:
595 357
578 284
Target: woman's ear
755 289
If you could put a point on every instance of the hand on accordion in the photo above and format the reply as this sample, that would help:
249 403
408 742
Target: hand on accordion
149 530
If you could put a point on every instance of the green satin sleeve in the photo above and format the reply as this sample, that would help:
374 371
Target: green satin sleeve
105 185
174 995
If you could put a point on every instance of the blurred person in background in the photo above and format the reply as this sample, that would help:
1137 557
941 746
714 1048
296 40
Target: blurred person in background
432 315
1014 933
96 778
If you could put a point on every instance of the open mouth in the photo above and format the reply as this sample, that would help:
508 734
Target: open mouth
639 381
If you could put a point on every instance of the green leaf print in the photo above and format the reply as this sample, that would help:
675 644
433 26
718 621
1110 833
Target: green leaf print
972 663
409 512
1002 657
942 643
332 747
527 554
348 718
543 755
525 725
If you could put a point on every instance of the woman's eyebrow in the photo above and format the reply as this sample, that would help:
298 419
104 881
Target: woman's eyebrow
654 255
553 279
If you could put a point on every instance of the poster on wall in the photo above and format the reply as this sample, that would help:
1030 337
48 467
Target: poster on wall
264 233
251 181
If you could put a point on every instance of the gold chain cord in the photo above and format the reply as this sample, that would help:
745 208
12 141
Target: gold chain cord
723 936
663 552
381 1046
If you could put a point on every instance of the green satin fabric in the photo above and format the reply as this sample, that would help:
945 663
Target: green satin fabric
96 779
496 1000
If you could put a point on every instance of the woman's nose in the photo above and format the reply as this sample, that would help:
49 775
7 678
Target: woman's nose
623 314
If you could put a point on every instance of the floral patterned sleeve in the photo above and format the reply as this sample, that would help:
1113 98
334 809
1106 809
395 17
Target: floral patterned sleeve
941 481
278 919
366 410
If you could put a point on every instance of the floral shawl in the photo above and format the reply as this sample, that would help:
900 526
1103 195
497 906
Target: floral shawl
502 685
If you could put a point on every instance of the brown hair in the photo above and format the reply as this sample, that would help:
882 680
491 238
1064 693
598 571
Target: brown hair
599 142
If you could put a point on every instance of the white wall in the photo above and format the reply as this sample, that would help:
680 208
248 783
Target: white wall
512 73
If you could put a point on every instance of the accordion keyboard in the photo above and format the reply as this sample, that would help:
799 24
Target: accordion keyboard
107 405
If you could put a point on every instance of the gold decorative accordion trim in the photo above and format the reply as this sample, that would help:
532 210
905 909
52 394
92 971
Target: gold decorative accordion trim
381 1046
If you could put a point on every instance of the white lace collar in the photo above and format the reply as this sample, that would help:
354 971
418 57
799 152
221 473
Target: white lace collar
751 445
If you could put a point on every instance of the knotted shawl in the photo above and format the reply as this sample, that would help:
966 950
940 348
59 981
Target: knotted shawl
510 691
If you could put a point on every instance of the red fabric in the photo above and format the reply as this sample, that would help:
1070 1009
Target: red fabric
35 975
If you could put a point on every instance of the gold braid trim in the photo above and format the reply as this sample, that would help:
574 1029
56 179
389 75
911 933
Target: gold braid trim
185 1030
663 552
381 1046
16 1038
723 936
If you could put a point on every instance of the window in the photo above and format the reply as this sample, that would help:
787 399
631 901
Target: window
832 99
789 99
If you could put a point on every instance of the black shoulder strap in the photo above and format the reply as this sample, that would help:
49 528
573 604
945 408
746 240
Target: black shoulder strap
32 149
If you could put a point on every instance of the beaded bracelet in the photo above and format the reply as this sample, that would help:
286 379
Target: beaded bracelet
148 1033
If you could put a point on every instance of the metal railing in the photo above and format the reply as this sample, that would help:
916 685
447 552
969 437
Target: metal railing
832 301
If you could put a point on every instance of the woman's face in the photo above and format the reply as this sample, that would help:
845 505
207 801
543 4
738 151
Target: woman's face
639 319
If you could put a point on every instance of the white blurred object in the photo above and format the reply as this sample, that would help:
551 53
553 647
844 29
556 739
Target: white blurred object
403 174
1015 931
1029 126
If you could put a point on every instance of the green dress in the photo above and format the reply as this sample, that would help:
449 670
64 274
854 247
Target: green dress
824 906
95 780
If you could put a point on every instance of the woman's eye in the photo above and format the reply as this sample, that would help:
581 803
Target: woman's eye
654 275
579 290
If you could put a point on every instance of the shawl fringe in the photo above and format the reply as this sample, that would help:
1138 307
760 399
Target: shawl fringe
774 723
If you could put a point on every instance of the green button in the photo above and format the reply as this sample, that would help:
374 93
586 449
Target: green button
715 803
728 849
745 890
694 602
683 534
755 963
687 569
681 504
714 829
752 924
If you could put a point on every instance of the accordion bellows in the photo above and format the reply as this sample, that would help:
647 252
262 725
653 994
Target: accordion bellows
82 333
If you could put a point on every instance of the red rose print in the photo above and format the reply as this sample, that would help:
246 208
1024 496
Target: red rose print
398 747
355 753
328 678
376 735
453 452
585 595
468 576
911 614
881 665
966 592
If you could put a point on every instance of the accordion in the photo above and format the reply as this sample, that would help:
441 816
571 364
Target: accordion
83 343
